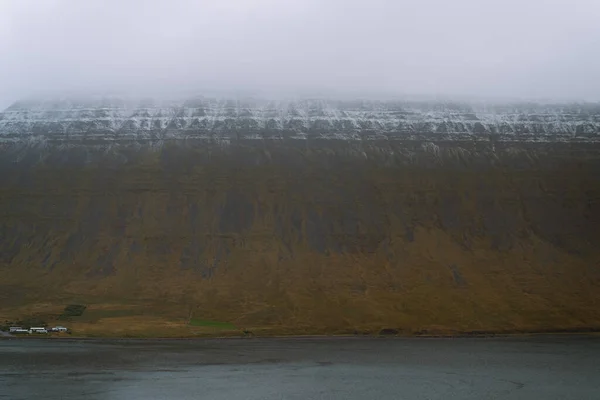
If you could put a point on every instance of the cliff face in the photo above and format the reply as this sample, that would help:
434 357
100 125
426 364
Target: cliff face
310 216
110 119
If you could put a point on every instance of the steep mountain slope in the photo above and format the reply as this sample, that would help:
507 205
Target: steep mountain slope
306 216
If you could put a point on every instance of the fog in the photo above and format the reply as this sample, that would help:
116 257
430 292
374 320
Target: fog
475 48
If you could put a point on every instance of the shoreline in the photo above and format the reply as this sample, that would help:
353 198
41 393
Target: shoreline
585 332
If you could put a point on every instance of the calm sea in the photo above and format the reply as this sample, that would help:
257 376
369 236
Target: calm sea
534 368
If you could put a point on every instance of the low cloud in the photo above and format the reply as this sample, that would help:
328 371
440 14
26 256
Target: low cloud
508 48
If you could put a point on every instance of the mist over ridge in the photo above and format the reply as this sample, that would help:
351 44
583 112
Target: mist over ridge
511 49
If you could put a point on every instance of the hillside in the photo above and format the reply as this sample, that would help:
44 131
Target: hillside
304 216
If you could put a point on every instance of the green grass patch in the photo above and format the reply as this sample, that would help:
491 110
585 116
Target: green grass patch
211 324
72 310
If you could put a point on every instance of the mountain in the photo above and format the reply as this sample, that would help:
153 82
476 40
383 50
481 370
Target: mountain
301 216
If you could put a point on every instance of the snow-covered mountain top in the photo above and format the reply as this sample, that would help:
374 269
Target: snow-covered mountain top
129 102
115 118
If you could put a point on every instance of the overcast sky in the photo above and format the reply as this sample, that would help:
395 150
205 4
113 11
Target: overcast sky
489 48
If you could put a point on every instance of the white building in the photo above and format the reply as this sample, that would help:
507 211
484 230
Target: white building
59 329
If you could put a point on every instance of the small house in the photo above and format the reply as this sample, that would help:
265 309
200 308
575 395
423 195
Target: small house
59 329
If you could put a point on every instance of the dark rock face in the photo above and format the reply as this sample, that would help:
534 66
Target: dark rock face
334 214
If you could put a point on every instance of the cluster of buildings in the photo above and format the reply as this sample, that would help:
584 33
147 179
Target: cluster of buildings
20 330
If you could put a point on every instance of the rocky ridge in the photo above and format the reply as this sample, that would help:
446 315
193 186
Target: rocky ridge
114 119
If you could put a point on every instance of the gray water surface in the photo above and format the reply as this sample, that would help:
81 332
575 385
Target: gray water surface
353 368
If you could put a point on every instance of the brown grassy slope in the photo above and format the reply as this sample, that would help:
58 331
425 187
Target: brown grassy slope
329 244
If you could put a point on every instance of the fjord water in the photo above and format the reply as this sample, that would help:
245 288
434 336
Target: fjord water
347 368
